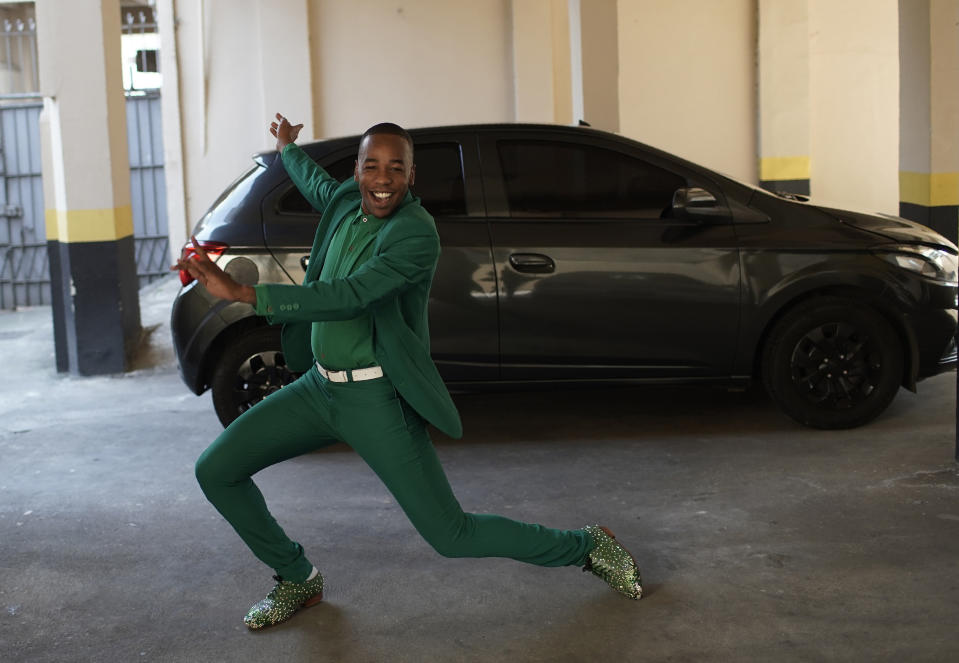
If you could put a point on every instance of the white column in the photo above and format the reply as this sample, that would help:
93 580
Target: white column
86 178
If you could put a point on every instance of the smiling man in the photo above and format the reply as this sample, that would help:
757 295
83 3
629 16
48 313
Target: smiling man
358 328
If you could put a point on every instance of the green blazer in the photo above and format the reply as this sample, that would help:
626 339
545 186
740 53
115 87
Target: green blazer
393 286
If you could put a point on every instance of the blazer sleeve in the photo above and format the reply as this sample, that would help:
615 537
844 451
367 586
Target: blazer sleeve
316 185
400 265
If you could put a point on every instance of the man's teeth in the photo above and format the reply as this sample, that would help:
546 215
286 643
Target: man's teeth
382 195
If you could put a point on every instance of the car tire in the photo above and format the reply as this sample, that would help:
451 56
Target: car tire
249 370
832 363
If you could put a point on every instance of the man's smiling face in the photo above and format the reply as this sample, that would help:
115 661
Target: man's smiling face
384 170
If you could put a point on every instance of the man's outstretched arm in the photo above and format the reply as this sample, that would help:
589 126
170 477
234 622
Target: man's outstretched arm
316 185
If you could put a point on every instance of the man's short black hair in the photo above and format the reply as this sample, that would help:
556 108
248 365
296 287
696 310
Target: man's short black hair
389 128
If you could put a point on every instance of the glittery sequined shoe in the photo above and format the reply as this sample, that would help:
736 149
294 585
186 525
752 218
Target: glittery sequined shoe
612 562
283 601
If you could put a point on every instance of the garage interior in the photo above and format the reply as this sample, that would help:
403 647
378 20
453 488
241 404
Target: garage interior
758 539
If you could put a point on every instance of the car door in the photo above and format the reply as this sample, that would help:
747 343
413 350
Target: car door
463 324
595 279
464 341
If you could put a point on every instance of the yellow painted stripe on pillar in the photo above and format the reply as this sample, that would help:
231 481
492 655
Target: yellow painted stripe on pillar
784 168
53 230
89 225
929 189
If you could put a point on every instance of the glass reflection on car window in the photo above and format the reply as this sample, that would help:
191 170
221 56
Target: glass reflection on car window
569 180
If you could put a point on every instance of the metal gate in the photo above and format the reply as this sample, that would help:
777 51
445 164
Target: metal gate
24 269
148 187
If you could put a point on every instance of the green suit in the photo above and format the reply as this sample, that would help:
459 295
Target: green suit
384 419
394 286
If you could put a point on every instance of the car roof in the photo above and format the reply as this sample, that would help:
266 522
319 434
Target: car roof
334 143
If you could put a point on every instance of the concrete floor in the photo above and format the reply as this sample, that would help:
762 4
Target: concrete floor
759 540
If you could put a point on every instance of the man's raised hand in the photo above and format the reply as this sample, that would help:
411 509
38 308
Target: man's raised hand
284 132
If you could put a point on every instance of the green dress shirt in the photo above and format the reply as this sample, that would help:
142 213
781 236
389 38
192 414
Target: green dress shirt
347 344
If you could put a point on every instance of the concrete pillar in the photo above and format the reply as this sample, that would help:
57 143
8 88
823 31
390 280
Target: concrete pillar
179 224
944 116
543 88
929 114
594 32
854 114
86 179
784 96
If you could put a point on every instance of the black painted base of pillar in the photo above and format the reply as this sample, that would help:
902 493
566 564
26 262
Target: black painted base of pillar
96 305
944 219
786 186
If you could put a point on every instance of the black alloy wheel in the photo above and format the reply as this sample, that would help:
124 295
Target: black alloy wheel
832 363
836 365
249 370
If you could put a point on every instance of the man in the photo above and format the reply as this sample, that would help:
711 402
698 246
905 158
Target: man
358 327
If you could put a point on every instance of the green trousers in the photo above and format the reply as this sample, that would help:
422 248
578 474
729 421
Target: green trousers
392 439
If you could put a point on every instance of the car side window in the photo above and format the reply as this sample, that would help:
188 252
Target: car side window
569 180
293 202
439 181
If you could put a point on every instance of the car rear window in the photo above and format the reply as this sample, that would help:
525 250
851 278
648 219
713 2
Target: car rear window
233 197
570 180
439 181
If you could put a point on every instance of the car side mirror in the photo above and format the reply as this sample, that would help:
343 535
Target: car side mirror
696 203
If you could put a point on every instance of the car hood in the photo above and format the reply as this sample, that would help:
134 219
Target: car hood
891 227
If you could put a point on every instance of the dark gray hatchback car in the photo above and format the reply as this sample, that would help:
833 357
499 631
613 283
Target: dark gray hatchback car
571 255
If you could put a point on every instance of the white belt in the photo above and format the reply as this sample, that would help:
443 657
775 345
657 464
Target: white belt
356 375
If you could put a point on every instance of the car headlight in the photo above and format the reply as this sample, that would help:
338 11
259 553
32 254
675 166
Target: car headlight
926 261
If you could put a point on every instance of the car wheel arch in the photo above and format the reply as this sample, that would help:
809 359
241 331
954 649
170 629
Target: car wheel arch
778 309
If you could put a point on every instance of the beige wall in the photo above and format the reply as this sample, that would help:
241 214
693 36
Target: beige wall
236 63
854 103
687 79
416 63
239 61
683 77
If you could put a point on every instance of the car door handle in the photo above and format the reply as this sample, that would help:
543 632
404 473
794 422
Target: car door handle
533 263
304 262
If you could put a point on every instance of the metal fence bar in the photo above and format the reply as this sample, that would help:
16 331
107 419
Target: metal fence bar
147 186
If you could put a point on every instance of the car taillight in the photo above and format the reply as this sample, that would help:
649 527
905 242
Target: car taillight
213 250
